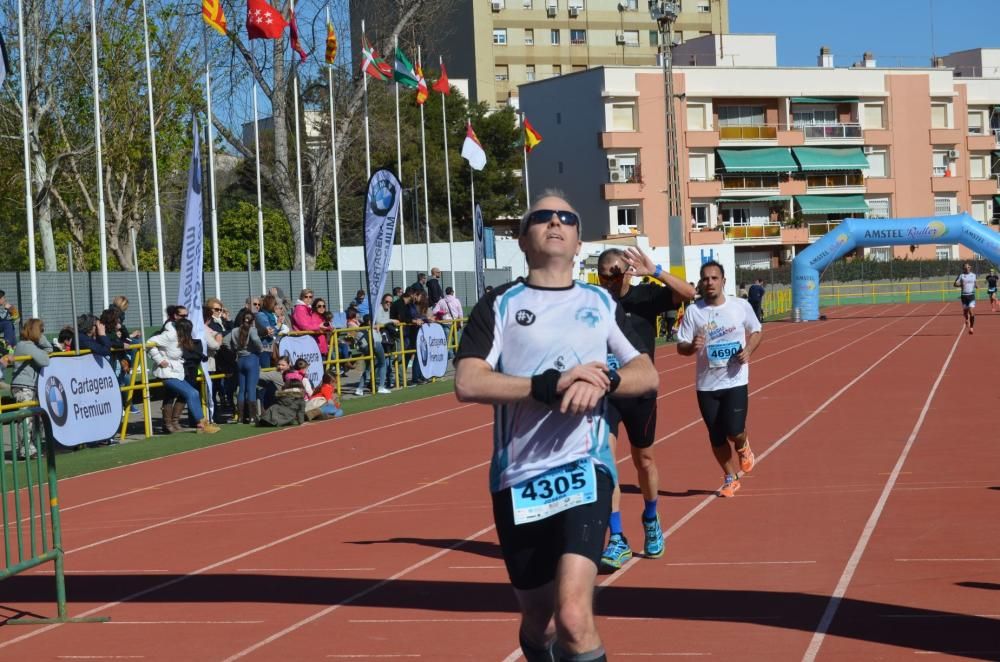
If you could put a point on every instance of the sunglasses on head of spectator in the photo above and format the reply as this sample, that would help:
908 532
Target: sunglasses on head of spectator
541 216
216 310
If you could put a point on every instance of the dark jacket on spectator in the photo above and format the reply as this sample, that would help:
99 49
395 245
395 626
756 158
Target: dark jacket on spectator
289 408
434 291
100 346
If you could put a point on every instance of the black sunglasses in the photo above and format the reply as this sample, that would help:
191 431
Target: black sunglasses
545 215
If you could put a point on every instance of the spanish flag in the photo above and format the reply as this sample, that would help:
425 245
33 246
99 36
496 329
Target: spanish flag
422 92
531 137
211 11
331 44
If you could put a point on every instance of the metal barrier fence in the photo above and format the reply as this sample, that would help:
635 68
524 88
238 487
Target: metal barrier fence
32 533
890 292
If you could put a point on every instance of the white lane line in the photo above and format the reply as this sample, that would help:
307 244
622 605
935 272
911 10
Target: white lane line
743 563
371 656
185 622
261 548
947 560
303 569
516 654
852 563
432 620
360 594
245 463
226 504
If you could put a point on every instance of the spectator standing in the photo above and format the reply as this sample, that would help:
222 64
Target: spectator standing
434 292
379 323
360 302
221 359
8 316
168 354
247 345
421 284
416 316
283 320
308 316
33 344
742 293
267 327
755 297
449 307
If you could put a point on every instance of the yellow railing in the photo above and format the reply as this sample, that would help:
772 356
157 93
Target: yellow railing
893 292
751 232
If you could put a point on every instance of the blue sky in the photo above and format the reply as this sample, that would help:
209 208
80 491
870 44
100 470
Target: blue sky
898 32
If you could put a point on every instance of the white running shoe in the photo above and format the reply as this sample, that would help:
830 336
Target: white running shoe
384 391
359 391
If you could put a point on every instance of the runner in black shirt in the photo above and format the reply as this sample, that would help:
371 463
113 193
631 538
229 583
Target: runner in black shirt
991 289
642 304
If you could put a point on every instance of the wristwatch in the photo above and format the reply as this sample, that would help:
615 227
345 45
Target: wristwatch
658 272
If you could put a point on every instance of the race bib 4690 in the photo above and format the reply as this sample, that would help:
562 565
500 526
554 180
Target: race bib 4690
720 354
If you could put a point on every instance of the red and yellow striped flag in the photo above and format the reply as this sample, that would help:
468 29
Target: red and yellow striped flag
211 11
531 137
331 44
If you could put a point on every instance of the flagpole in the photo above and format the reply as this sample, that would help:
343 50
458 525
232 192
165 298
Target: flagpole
211 169
138 296
101 229
336 201
524 148
156 177
368 147
399 174
29 197
298 165
423 150
475 255
447 178
260 197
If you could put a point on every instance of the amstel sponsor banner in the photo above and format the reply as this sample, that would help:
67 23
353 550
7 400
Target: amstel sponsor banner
432 350
82 398
304 347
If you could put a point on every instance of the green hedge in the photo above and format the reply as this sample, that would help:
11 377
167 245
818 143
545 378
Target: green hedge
842 271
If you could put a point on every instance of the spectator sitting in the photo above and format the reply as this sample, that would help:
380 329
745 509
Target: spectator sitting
300 373
171 351
33 344
64 341
121 303
360 302
8 315
327 399
272 380
93 336
289 406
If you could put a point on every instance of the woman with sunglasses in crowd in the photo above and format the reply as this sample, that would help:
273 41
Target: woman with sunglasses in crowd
267 327
245 342
177 356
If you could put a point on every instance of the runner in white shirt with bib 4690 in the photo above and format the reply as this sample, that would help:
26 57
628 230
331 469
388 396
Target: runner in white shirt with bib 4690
723 333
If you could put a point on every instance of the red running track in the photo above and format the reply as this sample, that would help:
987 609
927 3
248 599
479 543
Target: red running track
868 530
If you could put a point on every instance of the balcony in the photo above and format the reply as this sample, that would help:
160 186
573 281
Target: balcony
982 142
620 139
768 232
705 237
749 132
622 191
830 132
842 180
704 188
701 138
791 235
984 186
946 136
946 184
817 230
750 183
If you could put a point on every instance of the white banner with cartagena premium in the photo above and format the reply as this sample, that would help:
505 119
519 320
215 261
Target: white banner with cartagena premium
432 350
82 398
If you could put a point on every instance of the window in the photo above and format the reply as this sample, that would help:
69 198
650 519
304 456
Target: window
943 252
698 167
500 72
632 38
579 67
578 37
873 116
878 164
699 216
623 117
814 116
576 4
499 36
628 219
696 117
939 116
880 254
939 163
529 37
654 38
741 115
944 206
529 72
557 70
627 166
631 5
878 207
976 122
979 168
703 8
979 211
736 216
554 37
527 4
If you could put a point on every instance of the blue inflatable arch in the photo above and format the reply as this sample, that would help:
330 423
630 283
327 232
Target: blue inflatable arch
853 233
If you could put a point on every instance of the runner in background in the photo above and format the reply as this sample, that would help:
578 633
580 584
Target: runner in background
967 281
723 333
642 304
991 289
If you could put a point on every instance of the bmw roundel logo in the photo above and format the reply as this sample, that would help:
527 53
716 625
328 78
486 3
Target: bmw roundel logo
424 349
57 405
382 198
524 317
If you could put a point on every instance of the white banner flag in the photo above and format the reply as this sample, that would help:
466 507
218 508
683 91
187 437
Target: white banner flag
304 347
82 398
432 350
480 249
381 213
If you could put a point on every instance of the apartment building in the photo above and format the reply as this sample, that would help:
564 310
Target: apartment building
500 44
772 158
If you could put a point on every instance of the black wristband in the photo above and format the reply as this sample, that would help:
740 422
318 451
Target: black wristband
615 379
544 385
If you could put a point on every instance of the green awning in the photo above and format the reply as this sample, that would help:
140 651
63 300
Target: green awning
832 204
825 99
757 159
815 159
762 198
996 199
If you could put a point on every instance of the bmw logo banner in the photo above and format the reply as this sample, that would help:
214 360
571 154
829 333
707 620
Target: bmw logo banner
81 396
432 350
381 214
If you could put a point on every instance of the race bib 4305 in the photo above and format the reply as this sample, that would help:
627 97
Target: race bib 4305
554 491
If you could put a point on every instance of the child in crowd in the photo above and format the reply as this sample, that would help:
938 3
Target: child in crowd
300 373
329 405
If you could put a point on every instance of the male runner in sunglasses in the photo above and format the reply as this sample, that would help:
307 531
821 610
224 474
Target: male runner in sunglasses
536 349
642 304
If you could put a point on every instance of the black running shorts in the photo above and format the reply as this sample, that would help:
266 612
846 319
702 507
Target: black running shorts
968 300
532 551
725 412
639 417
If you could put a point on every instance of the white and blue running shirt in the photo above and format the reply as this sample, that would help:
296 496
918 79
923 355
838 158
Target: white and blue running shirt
968 282
523 331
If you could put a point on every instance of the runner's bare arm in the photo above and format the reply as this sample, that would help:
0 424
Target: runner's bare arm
642 265
639 378
744 356
693 347
476 381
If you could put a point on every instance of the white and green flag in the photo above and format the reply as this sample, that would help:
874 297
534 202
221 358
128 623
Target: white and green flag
403 73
